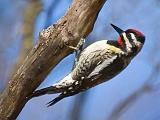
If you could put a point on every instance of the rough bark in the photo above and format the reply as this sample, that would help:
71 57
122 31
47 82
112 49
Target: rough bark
49 51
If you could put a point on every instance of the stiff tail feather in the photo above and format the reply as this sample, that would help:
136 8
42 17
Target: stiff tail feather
48 90
57 99
60 97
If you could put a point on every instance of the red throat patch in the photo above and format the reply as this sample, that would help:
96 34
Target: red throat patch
120 42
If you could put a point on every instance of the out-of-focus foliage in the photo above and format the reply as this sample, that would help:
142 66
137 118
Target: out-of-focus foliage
125 97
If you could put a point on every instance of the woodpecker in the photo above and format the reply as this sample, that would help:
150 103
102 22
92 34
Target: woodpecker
97 63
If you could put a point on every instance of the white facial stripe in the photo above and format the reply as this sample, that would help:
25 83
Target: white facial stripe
133 36
128 45
135 39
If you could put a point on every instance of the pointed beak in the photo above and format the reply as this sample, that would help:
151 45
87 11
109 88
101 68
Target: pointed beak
119 30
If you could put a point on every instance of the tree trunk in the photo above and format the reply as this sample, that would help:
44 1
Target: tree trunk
49 51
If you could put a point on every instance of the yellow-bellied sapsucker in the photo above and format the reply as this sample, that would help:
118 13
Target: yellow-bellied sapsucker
97 63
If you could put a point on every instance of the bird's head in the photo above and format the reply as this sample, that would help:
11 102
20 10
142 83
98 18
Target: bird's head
131 40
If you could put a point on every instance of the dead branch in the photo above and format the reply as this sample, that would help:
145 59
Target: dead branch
49 51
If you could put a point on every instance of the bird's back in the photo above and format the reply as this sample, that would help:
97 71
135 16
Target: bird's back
97 62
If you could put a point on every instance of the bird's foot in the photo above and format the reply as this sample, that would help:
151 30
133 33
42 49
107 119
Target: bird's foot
77 50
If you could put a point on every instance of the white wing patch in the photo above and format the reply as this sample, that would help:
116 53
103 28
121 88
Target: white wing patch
103 65
66 81
99 45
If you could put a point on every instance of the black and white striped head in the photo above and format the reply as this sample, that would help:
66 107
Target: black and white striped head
131 40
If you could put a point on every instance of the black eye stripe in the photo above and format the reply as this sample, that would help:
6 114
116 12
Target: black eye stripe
129 36
138 38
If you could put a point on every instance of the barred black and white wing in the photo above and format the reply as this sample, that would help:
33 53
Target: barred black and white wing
94 59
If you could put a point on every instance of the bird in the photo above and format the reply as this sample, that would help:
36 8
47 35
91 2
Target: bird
96 64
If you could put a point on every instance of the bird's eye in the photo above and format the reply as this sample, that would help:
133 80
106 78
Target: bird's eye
129 36
133 37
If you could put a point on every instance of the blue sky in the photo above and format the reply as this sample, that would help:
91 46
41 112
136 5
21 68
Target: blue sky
101 100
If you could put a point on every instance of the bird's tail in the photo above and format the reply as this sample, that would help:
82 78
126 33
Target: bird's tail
55 100
47 90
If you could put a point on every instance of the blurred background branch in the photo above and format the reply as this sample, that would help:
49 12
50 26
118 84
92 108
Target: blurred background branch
31 11
125 104
78 105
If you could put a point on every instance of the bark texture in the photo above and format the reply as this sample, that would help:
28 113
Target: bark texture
48 52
